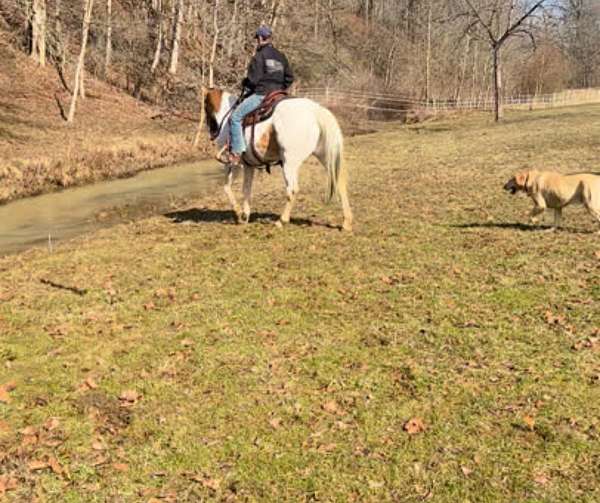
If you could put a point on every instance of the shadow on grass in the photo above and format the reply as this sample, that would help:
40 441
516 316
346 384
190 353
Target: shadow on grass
501 225
518 227
205 215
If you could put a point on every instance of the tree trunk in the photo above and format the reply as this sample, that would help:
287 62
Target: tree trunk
38 32
176 38
202 117
234 29
497 83
108 55
87 18
82 82
213 52
159 38
428 57
275 6
316 28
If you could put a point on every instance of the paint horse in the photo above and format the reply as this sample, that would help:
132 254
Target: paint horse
298 128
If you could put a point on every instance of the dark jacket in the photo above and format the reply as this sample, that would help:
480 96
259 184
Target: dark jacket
268 71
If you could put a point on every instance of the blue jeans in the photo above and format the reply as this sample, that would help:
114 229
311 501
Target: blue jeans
251 103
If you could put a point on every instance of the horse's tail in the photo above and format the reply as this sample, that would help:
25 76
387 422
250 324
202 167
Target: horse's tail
332 145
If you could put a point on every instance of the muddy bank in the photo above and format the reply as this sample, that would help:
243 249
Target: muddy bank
50 218
23 178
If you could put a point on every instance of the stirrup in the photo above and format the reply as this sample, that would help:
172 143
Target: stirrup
223 155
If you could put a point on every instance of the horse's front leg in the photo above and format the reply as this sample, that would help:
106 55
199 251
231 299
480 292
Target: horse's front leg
248 178
232 173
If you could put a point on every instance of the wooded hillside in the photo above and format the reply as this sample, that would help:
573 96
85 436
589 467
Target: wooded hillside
163 50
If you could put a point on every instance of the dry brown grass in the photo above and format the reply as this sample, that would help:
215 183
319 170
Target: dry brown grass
113 134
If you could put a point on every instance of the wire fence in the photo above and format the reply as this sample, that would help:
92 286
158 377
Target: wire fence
391 104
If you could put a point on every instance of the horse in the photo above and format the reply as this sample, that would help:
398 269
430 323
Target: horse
298 128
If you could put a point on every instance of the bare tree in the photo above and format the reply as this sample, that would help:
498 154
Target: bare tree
87 19
487 17
158 17
176 40
108 53
213 51
38 32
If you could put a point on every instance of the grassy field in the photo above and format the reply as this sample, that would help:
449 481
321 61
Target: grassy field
446 351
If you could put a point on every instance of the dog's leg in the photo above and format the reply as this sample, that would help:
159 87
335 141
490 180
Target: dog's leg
593 207
538 209
533 214
557 217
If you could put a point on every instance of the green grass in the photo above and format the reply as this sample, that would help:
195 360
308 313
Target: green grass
282 365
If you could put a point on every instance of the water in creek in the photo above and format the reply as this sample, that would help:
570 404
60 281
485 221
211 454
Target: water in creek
43 220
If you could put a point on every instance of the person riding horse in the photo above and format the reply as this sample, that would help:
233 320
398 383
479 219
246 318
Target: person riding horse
268 71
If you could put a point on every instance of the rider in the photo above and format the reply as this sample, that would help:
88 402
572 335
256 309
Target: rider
268 71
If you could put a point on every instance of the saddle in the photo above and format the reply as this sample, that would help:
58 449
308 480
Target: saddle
266 108
262 113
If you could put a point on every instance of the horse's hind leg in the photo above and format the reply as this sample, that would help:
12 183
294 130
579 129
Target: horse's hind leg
248 178
291 167
232 174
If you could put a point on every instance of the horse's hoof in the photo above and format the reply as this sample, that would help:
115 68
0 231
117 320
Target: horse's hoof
279 224
347 227
245 218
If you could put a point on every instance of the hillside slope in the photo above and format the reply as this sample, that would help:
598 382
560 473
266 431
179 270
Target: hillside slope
112 135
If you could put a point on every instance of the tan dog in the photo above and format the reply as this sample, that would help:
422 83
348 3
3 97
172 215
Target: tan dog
553 190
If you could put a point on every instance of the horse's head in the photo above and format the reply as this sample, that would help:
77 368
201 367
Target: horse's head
217 104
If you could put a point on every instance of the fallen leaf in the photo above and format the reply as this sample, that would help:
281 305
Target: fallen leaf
90 383
213 484
52 424
275 423
466 471
541 479
29 430
553 319
5 389
332 407
149 306
186 343
120 467
130 396
97 445
414 426
9 386
7 483
55 465
37 465
529 421
99 460
325 448
29 440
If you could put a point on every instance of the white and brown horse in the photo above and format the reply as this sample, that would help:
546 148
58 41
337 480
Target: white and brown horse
298 128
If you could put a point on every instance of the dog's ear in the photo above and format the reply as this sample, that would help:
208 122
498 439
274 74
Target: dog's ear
521 179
